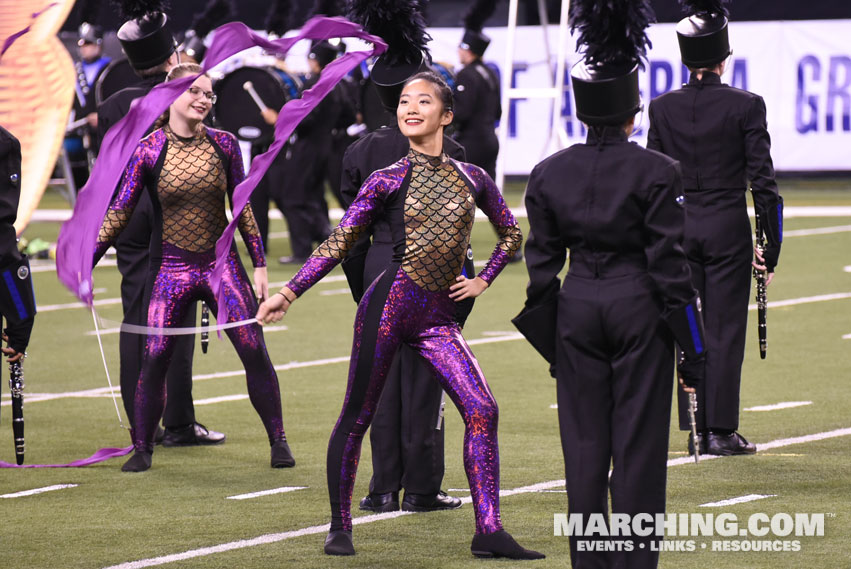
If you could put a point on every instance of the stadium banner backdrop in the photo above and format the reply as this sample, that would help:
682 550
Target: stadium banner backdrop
801 68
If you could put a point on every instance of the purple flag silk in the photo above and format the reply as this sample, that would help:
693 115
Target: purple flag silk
78 237
7 43
99 456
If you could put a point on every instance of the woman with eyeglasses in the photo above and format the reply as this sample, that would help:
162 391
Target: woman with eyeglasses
189 169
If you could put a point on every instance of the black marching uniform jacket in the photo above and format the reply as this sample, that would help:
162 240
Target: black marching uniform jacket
133 264
719 135
406 439
477 109
615 206
17 300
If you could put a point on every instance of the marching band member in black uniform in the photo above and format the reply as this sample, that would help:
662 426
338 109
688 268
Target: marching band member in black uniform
81 142
17 301
477 94
303 197
627 294
192 48
719 135
150 48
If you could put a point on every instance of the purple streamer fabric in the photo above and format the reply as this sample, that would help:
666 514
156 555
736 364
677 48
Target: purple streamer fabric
78 236
14 37
99 456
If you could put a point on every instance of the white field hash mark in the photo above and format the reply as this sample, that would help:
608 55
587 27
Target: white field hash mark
281 490
38 491
313 530
739 500
776 406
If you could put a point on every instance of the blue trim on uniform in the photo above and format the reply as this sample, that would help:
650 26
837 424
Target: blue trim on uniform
16 296
695 333
780 222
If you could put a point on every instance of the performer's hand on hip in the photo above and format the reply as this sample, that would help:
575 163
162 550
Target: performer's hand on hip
467 288
261 283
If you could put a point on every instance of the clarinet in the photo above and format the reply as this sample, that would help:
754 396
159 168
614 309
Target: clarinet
16 385
761 297
205 322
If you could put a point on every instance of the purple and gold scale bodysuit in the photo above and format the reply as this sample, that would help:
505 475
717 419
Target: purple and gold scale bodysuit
430 204
188 180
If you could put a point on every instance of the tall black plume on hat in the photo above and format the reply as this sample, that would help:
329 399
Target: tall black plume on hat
705 7
612 36
611 32
397 22
478 13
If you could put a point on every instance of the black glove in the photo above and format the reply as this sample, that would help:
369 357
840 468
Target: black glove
771 256
692 370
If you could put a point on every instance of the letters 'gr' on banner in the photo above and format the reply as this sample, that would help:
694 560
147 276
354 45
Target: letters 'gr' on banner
801 68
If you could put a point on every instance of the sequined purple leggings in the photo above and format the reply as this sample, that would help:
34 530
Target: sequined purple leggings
183 278
396 310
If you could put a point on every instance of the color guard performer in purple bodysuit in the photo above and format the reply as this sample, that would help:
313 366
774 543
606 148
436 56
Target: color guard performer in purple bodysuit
189 169
429 200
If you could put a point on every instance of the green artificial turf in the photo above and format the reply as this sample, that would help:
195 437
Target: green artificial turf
181 504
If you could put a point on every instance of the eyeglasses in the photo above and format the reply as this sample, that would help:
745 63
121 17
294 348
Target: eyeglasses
197 92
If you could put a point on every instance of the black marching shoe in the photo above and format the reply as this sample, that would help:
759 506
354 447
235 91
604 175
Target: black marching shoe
282 457
139 462
701 442
194 434
728 444
339 542
501 544
379 503
429 502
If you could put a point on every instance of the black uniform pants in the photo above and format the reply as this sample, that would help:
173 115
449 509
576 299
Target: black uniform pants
719 249
302 199
407 446
614 373
133 263
482 149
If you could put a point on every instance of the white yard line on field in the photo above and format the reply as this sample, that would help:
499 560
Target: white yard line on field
38 491
739 500
804 300
816 231
313 530
776 406
281 490
222 399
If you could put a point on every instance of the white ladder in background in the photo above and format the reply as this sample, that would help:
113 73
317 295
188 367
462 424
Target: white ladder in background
554 93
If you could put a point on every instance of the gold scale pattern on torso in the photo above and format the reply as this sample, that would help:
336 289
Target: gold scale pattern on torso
439 214
191 190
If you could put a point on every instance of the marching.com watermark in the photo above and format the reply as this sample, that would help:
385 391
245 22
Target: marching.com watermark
625 532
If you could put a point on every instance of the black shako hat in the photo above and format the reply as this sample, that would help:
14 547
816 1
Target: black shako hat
612 37
702 36
401 25
145 37
477 42
474 20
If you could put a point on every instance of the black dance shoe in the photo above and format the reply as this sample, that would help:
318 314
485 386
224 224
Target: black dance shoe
501 544
139 462
339 542
380 503
429 502
194 434
701 442
728 444
282 457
